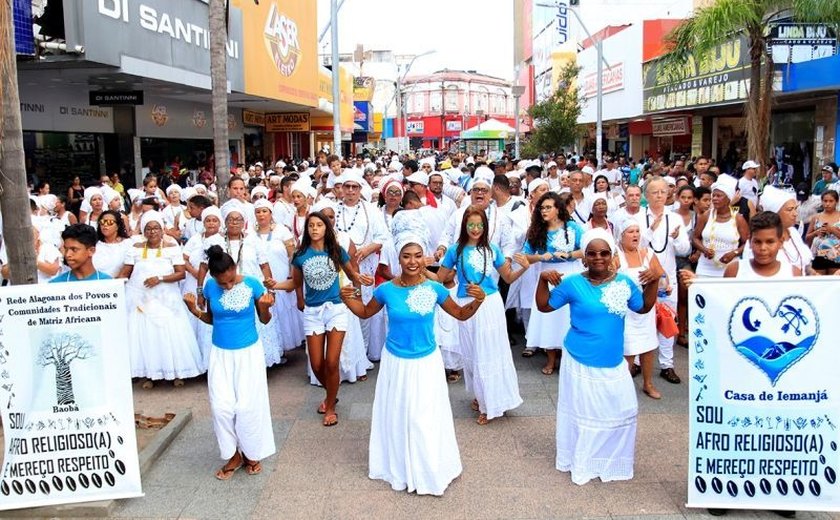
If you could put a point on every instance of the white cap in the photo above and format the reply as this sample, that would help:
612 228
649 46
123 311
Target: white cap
258 164
588 170
419 177
551 164
750 164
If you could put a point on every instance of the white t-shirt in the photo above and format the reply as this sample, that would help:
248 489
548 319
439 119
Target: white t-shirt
749 189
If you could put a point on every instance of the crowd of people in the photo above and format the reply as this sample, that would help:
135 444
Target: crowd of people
351 258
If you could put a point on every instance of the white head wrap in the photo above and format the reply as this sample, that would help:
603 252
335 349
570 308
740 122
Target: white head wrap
259 189
149 217
772 198
352 175
232 206
109 194
263 203
188 193
626 224
211 211
323 204
135 195
536 183
172 187
301 186
726 184
47 201
597 234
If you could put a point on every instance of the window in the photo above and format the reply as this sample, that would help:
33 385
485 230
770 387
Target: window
451 98
435 101
416 102
482 100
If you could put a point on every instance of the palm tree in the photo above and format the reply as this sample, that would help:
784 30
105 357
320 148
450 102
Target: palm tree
723 19
14 197
218 80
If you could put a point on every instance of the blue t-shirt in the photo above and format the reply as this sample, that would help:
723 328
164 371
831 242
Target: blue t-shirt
595 338
320 277
234 312
411 317
474 266
70 277
556 242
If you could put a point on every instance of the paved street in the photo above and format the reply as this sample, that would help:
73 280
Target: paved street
321 472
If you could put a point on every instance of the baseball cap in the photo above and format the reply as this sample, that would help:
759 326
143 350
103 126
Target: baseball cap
750 164
828 168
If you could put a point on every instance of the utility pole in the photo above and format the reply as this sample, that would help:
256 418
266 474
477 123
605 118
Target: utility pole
218 95
336 87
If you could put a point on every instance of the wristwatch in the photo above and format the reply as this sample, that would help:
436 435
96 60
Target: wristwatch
160 279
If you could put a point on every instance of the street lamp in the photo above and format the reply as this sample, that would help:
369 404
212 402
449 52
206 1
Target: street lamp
398 94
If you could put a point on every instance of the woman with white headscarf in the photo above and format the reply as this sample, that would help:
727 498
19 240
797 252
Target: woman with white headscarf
249 254
793 251
640 329
721 234
597 406
301 192
194 251
173 211
92 205
161 340
286 319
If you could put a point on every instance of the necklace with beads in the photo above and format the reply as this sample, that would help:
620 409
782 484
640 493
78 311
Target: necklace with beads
239 252
346 229
146 250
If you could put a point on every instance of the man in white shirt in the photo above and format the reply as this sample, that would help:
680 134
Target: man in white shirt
748 184
553 177
662 231
582 209
632 205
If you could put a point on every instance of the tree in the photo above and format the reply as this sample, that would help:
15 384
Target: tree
723 19
14 196
555 119
60 350
218 81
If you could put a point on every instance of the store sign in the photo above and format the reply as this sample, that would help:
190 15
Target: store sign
415 127
361 115
796 42
292 122
363 88
720 77
763 392
671 126
65 388
612 81
112 98
62 110
173 34
563 20
454 126
280 50
251 118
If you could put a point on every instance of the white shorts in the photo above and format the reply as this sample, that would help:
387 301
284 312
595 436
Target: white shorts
326 317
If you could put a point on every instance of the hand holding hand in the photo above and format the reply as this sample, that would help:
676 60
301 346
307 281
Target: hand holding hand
647 276
475 291
366 279
687 276
552 277
522 260
189 301
708 253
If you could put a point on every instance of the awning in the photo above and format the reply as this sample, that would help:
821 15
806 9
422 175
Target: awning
490 129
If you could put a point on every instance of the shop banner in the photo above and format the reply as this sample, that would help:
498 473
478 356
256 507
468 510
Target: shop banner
65 394
612 81
763 394
251 118
415 127
363 88
292 122
790 42
670 126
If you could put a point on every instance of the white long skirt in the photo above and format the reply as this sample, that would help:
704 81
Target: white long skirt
596 422
239 404
547 330
162 344
489 373
640 333
353 362
289 320
412 434
447 336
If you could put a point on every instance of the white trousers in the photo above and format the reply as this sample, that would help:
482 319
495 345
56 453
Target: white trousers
239 402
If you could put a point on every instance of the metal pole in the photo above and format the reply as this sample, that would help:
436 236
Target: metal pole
516 128
599 93
398 117
336 88
327 28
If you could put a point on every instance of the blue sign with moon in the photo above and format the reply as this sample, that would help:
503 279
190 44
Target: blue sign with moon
774 341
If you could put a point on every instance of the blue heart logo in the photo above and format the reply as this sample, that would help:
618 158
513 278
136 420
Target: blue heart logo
774 341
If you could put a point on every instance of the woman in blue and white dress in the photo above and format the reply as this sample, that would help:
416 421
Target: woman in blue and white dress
552 241
412 435
489 373
597 406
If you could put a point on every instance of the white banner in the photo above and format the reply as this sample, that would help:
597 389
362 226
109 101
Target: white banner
764 394
65 395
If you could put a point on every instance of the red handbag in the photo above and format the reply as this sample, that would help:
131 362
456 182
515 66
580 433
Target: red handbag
666 320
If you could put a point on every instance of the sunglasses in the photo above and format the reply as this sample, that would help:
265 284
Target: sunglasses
475 227
107 222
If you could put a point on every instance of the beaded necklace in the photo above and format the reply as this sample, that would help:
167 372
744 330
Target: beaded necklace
238 254
346 228
146 249
483 268
713 220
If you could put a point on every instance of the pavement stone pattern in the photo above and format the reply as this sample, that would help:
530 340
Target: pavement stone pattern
508 472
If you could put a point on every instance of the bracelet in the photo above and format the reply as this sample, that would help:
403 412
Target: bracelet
199 291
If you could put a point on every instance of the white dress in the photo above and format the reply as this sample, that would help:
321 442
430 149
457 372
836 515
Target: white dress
195 249
287 320
720 237
639 329
47 253
110 257
161 340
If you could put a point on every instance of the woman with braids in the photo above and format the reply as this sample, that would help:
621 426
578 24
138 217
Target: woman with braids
236 377
553 240
412 435
315 268
488 365
114 243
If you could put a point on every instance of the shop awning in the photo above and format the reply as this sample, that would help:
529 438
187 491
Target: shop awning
811 75
490 129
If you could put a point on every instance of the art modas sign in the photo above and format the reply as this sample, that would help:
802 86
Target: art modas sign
289 122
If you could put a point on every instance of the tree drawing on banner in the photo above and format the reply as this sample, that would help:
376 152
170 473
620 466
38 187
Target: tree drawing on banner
60 350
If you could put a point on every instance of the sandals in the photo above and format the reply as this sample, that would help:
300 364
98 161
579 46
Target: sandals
322 408
529 352
148 384
178 383
226 472
363 377
453 377
330 419
252 467
653 393
474 405
547 370
482 419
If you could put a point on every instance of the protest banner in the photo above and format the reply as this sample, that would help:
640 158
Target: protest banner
764 394
65 395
